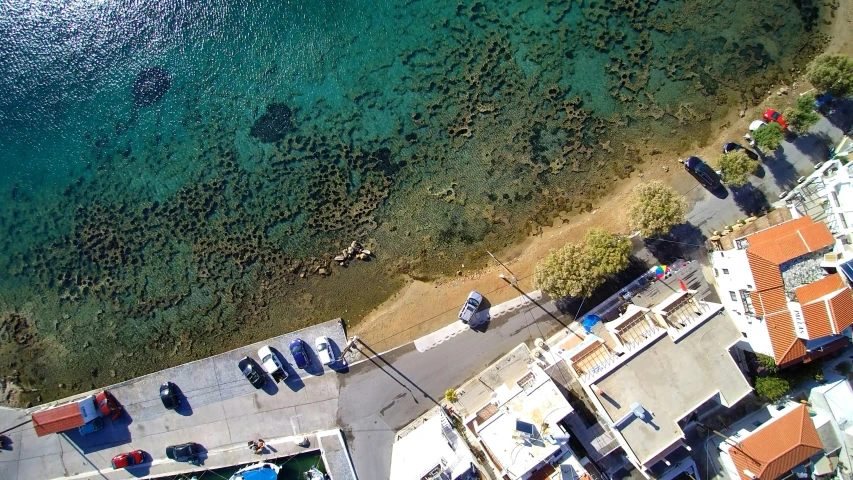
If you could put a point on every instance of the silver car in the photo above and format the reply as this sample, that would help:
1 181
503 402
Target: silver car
472 303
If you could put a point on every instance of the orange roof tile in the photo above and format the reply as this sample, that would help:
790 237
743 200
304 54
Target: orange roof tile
816 316
790 240
778 446
787 347
817 236
765 273
777 231
815 290
841 306
769 301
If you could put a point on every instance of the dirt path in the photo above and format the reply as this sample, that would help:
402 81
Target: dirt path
421 307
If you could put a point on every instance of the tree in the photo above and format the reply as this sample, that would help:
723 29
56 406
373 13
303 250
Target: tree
772 388
802 116
769 136
611 252
577 269
767 362
655 208
450 395
736 166
831 72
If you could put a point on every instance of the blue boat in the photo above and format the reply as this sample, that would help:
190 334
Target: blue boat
257 471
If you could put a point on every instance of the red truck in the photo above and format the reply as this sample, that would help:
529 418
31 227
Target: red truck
76 414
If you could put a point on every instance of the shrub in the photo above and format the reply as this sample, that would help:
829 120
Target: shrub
831 72
771 388
450 395
767 362
655 208
736 166
768 137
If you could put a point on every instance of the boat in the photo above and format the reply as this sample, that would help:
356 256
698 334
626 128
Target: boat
257 471
315 474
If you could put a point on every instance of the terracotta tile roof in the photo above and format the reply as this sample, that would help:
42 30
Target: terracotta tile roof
816 316
769 301
778 446
813 291
787 347
790 240
841 307
765 273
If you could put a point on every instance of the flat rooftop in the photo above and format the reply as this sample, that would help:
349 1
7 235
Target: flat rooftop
519 434
503 373
670 379
427 448
220 410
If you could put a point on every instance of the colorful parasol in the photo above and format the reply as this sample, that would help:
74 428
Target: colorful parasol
661 271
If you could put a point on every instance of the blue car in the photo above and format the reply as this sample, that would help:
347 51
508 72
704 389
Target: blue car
297 349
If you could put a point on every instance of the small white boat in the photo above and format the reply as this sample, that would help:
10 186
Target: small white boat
315 474
257 471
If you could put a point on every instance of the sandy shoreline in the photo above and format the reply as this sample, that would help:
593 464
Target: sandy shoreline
421 307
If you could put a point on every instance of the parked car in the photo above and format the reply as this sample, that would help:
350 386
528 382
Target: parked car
108 405
169 396
129 459
771 115
324 350
732 146
185 452
252 372
271 363
300 356
472 303
92 427
703 172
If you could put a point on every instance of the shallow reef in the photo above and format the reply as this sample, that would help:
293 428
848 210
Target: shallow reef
150 86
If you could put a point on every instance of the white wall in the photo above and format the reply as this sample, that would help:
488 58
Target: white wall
739 277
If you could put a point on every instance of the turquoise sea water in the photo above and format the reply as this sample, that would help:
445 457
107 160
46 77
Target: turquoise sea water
139 236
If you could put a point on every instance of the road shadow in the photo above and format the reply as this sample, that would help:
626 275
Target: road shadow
750 199
385 366
184 408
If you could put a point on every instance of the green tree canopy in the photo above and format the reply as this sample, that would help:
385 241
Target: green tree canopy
768 137
772 388
736 167
577 269
831 72
655 208
802 116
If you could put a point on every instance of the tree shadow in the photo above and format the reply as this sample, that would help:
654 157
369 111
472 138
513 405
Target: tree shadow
783 172
840 113
750 199
614 283
682 241
760 172
814 145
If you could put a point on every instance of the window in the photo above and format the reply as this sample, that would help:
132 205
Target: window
716 273
746 299
750 287
734 296
725 271
744 334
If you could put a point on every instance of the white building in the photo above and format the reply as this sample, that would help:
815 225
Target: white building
671 365
780 286
433 451
515 411
831 408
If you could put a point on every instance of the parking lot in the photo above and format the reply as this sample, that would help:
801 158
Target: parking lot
219 409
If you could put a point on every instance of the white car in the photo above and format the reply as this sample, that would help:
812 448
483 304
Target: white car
472 303
324 350
271 363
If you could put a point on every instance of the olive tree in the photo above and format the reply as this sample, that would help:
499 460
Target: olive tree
831 72
772 388
768 137
577 269
802 116
655 208
736 166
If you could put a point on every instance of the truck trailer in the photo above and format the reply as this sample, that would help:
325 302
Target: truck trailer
65 417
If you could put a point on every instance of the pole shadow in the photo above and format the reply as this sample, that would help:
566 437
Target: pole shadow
376 355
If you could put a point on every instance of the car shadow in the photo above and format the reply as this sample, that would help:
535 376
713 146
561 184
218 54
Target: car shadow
481 318
270 386
6 443
143 469
750 199
338 366
293 382
184 408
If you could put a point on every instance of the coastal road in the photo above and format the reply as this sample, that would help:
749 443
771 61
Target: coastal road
386 392
795 157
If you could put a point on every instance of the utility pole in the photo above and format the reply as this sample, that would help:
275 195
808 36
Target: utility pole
514 280
347 348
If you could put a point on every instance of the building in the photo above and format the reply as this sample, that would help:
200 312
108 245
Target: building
432 450
766 449
516 412
831 408
827 195
781 287
667 367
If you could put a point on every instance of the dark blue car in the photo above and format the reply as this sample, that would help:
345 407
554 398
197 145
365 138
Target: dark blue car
297 349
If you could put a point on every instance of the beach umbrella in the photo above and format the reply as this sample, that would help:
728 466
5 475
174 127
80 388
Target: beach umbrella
661 271
589 321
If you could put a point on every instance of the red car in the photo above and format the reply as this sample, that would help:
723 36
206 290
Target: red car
129 459
773 116
108 405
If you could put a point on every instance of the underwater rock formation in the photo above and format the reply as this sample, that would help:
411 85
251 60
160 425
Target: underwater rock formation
150 86
273 124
